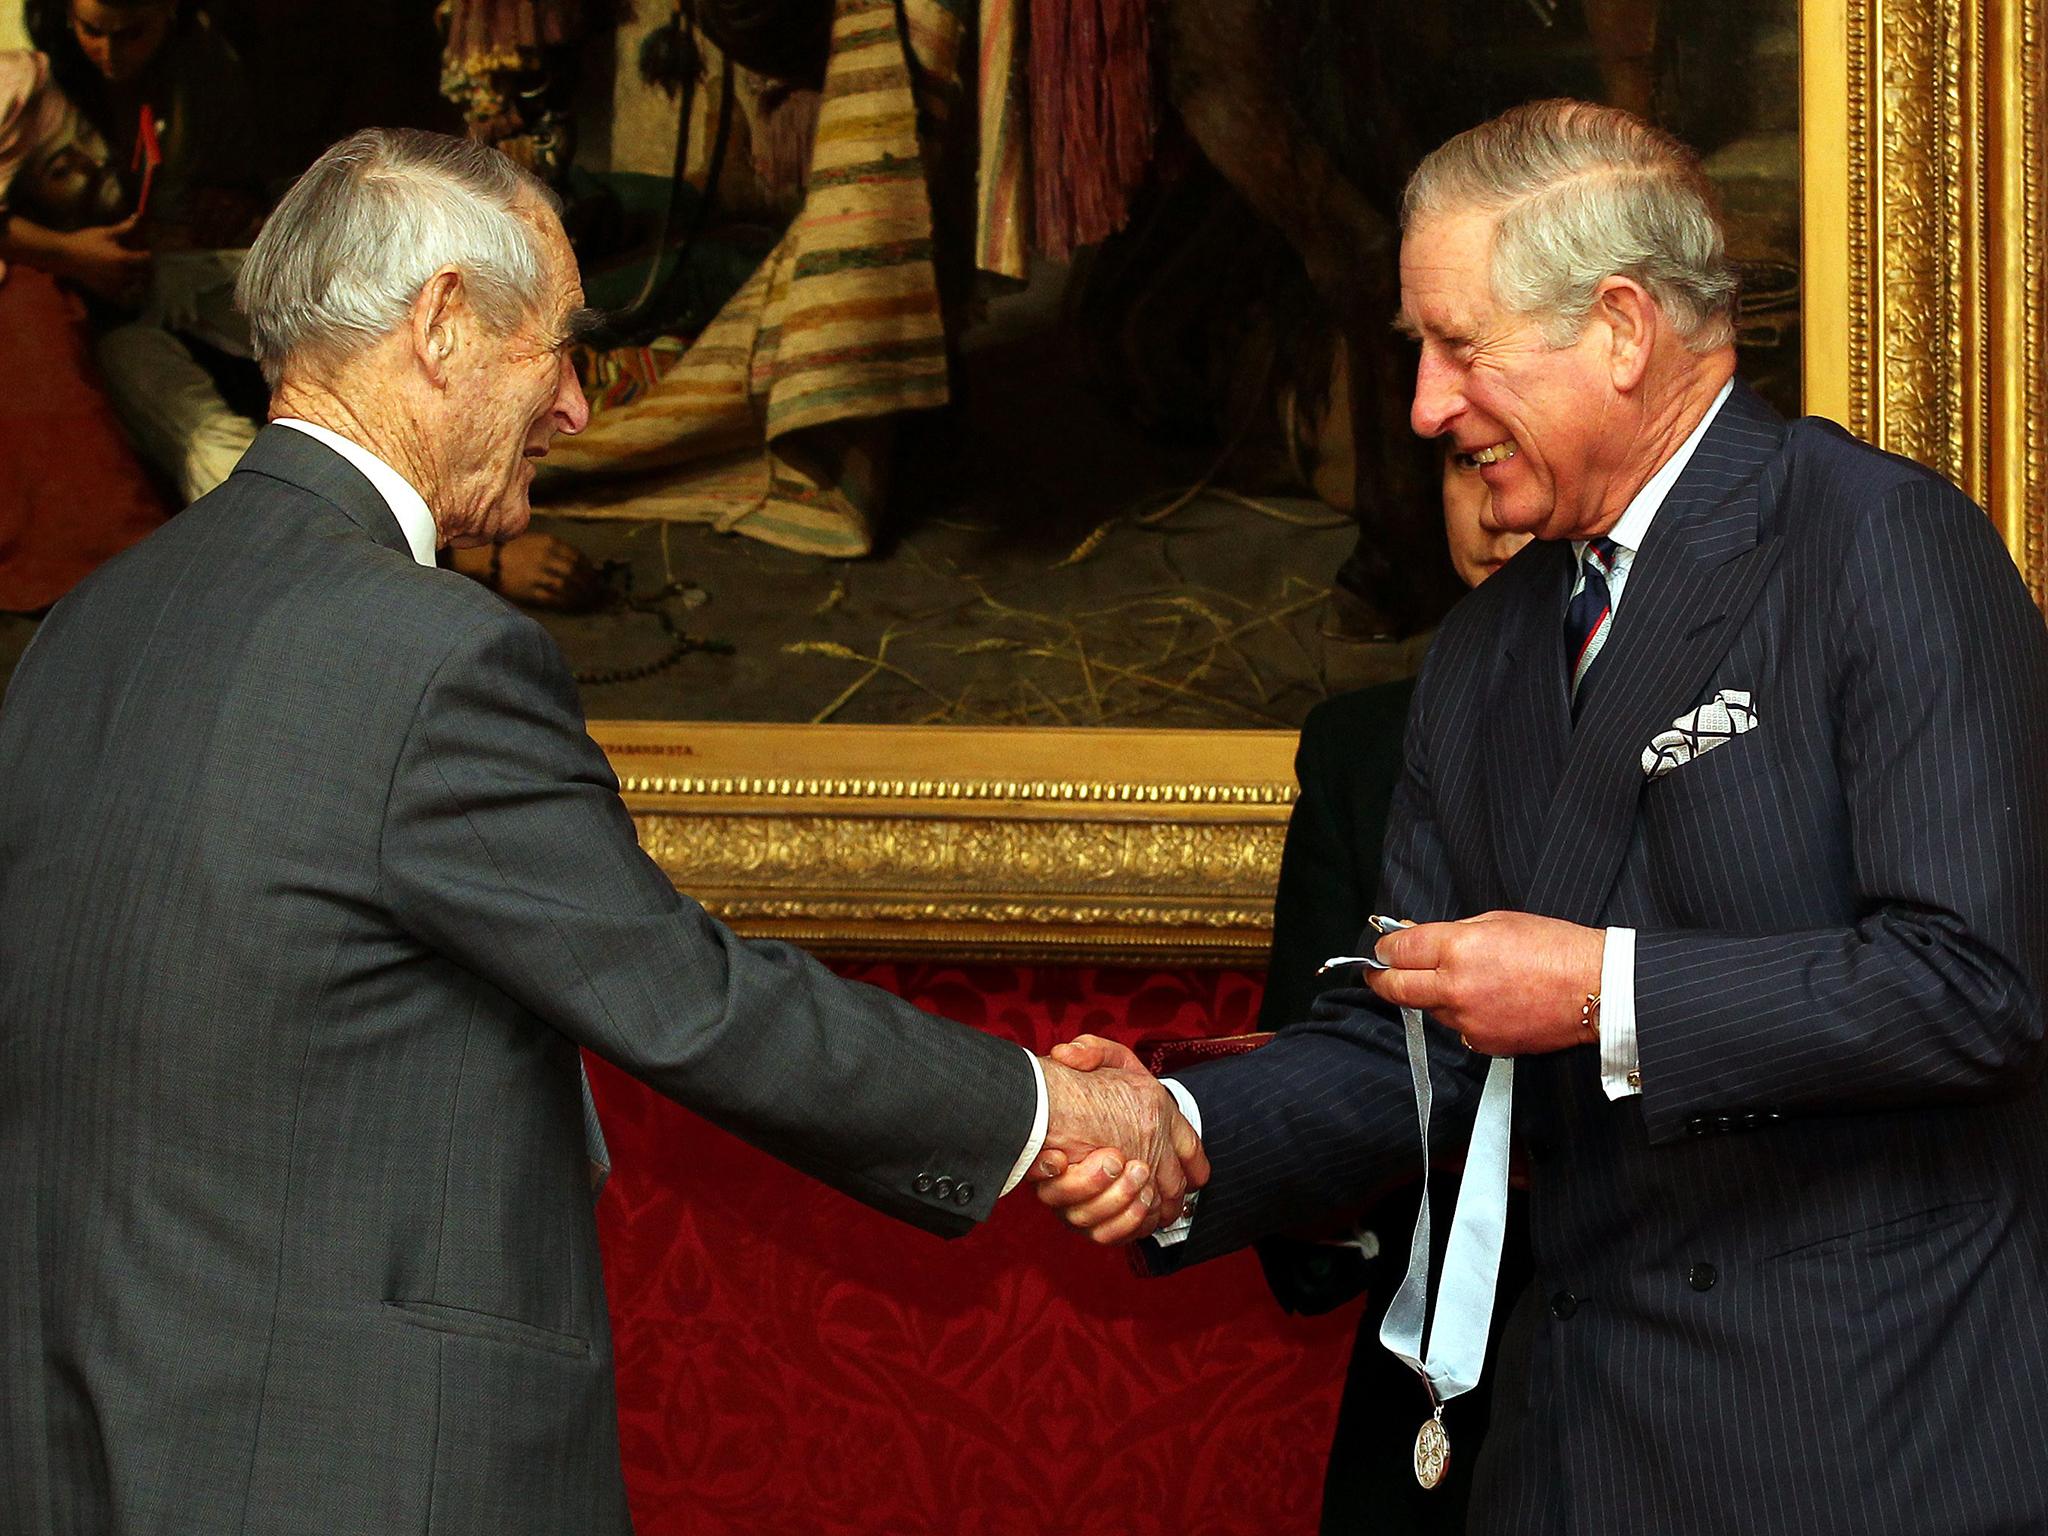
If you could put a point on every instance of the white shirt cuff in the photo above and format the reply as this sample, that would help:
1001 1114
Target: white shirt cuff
1620 1067
1190 1111
1177 1231
1036 1140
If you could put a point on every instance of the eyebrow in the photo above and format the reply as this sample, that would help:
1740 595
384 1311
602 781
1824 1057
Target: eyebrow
1404 324
581 325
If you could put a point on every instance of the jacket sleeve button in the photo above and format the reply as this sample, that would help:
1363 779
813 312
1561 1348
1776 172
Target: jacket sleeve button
942 1187
963 1193
922 1183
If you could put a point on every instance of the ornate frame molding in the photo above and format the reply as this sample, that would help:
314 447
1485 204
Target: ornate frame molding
1925 329
997 844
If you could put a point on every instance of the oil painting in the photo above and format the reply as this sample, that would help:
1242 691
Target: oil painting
999 442
1026 364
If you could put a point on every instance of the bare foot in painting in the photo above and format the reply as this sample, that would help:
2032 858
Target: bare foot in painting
537 570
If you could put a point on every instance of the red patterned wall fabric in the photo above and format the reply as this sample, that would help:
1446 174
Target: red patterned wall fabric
791 1362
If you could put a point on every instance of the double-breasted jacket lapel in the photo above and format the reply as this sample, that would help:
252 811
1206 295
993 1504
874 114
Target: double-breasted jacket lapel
1563 830
1529 723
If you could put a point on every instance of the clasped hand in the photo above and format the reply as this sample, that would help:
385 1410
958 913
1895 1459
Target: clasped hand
1119 1160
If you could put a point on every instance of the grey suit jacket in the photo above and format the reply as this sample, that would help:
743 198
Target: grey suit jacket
311 885
1796 1285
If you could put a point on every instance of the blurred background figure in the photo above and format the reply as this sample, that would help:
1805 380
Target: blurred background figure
168 166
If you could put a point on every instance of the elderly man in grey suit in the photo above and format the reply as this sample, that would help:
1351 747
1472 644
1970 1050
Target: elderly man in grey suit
1723 818
311 887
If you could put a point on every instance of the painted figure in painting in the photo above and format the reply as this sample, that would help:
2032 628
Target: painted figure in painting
165 115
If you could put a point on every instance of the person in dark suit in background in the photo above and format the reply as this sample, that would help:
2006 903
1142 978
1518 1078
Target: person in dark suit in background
1723 814
1346 766
311 887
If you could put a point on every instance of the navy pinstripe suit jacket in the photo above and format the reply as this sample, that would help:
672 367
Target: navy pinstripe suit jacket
1798 1284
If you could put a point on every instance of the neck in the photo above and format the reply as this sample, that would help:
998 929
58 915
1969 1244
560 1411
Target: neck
1667 422
383 427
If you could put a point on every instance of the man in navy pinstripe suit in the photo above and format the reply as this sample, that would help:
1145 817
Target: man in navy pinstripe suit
1722 812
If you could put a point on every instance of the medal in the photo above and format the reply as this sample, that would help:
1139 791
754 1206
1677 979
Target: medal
1432 1451
1449 1351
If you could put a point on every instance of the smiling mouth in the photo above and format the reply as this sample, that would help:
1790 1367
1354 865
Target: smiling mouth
1478 458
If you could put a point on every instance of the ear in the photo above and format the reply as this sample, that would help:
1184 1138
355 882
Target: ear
1632 319
440 322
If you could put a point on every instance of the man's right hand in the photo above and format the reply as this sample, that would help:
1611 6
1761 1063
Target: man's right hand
1128 1158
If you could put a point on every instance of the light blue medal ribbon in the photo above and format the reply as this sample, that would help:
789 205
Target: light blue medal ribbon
1456 1351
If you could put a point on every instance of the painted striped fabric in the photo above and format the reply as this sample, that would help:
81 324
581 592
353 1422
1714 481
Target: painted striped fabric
840 325
1002 184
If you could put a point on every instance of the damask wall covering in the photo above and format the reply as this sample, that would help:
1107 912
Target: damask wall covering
789 1361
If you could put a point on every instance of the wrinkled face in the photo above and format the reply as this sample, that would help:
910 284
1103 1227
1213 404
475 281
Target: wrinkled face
1479 547
1531 416
518 390
120 40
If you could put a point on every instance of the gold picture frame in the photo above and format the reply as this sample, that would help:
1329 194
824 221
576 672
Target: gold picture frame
1925 329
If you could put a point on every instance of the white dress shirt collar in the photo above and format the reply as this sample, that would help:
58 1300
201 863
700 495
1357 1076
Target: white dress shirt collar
1634 526
407 505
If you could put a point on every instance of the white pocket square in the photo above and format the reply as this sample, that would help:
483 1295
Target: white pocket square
1727 715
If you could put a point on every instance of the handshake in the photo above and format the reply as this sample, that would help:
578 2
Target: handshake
1119 1160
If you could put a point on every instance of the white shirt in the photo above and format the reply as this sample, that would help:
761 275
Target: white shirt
417 523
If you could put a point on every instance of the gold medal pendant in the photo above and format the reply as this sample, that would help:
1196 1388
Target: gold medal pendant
1432 1451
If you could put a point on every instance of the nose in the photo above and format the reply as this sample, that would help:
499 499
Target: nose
572 411
1438 397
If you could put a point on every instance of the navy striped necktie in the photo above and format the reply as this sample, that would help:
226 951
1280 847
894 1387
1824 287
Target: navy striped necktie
1590 612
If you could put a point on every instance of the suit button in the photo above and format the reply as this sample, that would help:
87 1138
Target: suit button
963 1193
942 1187
1700 1277
1696 1126
1563 1305
922 1183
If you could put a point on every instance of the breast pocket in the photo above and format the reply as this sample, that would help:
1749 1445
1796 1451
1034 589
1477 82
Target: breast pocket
1714 833
1719 771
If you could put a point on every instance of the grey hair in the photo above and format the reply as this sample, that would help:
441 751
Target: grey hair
1582 193
341 259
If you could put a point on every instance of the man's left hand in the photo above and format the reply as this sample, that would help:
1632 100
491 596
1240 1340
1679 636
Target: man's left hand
1510 983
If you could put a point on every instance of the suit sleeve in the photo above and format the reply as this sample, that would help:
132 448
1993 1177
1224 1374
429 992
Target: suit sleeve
1346 764
1934 993
1323 1118
507 849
